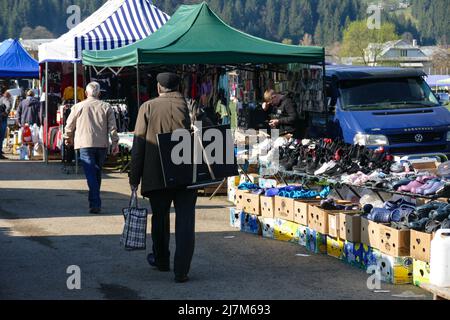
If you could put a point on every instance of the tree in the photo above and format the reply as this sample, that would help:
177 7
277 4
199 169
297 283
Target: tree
307 40
441 61
408 36
38 33
357 37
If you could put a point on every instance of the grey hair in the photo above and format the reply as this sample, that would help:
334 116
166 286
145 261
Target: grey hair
93 89
164 89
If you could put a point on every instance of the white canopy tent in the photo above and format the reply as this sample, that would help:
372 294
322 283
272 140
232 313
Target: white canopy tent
116 24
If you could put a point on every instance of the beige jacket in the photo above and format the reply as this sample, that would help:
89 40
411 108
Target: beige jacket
91 122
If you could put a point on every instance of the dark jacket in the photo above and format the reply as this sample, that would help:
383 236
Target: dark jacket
286 113
165 114
28 111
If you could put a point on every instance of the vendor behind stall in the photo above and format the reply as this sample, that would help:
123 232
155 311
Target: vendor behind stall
282 112
5 109
28 111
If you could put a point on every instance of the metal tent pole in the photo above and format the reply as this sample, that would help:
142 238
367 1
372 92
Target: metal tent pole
45 131
75 97
138 88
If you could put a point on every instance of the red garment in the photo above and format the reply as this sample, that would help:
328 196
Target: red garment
194 87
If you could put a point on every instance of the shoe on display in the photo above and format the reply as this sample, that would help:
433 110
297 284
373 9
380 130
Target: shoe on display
424 211
419 225
414 184
325 167
437 186
379 215
426 186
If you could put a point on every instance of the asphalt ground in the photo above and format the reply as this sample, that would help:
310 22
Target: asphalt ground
45 228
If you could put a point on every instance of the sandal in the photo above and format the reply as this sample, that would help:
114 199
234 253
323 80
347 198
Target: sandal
432 226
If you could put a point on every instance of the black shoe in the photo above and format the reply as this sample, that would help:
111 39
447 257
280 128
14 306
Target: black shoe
152 261
181 279
95 210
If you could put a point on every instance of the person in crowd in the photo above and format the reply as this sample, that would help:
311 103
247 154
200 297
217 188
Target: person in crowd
283 113
28 110
88 128
164 114
5 109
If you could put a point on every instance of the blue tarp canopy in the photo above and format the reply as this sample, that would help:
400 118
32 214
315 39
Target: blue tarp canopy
15 62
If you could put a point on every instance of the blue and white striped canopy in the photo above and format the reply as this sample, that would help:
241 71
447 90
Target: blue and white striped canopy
116 24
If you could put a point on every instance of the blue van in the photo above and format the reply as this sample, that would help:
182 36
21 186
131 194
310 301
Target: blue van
386 107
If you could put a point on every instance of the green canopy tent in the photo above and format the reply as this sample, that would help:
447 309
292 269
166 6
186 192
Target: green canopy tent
196 35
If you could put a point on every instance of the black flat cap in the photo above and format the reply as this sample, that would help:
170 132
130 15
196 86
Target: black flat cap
168 80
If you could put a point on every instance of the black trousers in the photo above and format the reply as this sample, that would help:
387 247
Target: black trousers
184 201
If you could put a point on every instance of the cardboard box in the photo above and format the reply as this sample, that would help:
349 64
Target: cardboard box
315 241
333 225
370 233
301 211
268 227
350 227
302 235
250 224
421 272
284 208
233 182
335 248
267 207
353 254
235 218
394 242
420 245
231 195
318 219
370 256
425 165
396 270
252 203
240 198
286 231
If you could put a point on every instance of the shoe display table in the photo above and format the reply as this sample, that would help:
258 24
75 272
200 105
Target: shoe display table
438 293
305 178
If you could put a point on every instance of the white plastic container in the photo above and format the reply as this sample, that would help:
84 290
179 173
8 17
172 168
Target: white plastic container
440 259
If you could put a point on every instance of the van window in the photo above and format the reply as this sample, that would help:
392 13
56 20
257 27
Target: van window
379 94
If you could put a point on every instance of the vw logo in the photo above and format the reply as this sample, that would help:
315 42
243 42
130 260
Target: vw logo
418 138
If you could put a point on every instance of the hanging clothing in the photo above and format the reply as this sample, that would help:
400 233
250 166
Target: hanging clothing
69 94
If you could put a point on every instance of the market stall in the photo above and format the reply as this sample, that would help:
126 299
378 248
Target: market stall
17 64
116 24
217 61
359 205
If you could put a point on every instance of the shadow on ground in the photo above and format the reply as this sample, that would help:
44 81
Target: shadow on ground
227 265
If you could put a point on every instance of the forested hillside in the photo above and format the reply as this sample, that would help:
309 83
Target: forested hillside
289 20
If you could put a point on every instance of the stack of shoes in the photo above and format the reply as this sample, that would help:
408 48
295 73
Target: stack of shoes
427 218
399 211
